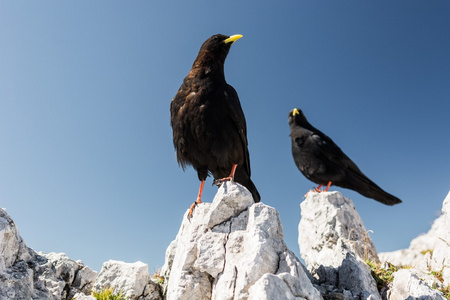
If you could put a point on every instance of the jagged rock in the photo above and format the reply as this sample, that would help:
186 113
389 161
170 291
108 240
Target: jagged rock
407 285
81 296
63 276
226 208
152 291
440 260
334 244
428 252
240 255
25 274
133 279
418 248
12 247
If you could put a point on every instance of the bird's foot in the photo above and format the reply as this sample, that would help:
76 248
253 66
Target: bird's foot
191 209
318 190
219 182
313 190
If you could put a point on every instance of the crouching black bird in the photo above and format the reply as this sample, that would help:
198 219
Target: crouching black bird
324 163
209 128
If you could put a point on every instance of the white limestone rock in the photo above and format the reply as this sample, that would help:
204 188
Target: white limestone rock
419 246
428 252
407 285
25 274
440 259
65 277
130 278
235 255
12 247
334 244
225 207
81 296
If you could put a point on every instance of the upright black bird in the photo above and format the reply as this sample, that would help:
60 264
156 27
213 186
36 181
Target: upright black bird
324 163
209 128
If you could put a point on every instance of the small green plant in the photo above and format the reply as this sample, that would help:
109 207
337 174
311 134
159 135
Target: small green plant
382 276
446 292
438 275
426 251
157 277
109 294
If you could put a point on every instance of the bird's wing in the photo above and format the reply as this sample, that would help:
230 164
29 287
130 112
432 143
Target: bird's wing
332 152
237 115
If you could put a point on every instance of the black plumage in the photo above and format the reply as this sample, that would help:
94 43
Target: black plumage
323 162
209 127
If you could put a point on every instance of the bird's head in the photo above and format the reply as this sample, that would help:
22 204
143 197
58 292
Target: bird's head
215 50
219 44
297 117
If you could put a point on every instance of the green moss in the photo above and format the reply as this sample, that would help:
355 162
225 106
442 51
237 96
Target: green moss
426 251
109 294
382 276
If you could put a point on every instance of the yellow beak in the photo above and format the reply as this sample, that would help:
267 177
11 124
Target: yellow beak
233 38
295 112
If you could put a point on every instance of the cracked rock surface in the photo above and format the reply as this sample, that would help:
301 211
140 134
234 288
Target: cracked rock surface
427 256
335 243
234 249
26 274
29 275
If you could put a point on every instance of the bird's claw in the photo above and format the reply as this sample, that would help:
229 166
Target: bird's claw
316 190
219 182
191 211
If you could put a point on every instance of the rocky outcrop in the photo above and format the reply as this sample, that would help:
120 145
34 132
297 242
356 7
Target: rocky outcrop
428 256
133 279
26 274
234 249
408 285
335 245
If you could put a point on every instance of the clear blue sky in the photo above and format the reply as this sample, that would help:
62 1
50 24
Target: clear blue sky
87 165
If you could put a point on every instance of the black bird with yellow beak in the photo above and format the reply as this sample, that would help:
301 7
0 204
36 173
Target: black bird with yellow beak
323 162
209 128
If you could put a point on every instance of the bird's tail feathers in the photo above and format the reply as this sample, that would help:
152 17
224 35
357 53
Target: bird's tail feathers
368 188
252 188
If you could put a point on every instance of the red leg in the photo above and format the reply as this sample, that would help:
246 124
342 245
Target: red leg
229 178
317 189
199 199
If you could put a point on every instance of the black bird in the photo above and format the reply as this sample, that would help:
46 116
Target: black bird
323 162
209 127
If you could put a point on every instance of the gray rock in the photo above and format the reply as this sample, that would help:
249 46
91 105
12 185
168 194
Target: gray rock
66 277
239 255
440 259
428 252
225 208
407 285
12 247
334 244
130 278
25 274
81 296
